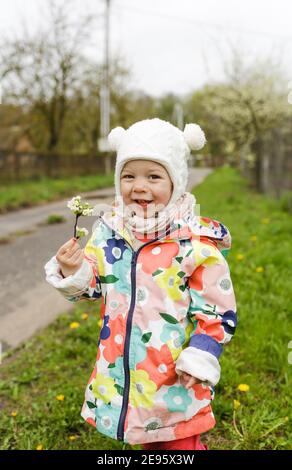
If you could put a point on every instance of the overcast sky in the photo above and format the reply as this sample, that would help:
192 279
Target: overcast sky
175 45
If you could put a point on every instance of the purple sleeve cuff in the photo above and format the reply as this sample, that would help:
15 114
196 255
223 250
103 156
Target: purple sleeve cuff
206 343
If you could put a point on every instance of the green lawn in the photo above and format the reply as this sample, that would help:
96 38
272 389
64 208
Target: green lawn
59 361
31 193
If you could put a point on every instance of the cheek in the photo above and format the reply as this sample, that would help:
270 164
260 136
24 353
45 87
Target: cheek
125 188
165 190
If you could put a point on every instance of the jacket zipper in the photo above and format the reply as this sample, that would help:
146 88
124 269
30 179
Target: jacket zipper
121 424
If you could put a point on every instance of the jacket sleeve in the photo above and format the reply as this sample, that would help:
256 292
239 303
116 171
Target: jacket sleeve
213 312
84 284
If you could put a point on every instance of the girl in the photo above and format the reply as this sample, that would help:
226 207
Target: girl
167 299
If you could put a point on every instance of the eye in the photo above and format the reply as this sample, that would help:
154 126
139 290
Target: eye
127 176
155 176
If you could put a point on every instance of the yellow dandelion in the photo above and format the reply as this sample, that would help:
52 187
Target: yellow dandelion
286 418
84 316
253 238
74 325
14 413
236 404
239 257
259 269
60 397
40 447
243 387
265 220
72 438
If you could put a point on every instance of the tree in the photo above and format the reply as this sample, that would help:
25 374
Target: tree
239 112
42 72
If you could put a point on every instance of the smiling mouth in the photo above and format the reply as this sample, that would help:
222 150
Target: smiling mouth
142 202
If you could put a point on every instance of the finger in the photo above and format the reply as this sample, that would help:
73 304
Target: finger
65 257
190 383
68 244
72 258
76 258
72 250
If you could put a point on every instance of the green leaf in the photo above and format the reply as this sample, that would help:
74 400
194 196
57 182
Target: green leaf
120 389
181 274
157 272
182 288
146 337
168 318
189 252
90 404
108 279
179 259
110 366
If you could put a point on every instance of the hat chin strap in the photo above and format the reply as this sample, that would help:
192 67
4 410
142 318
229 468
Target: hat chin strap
182 208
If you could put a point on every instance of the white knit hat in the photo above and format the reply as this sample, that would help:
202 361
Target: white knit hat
160 141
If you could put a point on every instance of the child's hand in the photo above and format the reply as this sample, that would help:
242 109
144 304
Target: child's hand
70 257
188 380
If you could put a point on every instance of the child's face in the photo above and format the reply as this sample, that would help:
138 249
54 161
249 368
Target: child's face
144 182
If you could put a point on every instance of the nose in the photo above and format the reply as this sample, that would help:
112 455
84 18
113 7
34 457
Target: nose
139 185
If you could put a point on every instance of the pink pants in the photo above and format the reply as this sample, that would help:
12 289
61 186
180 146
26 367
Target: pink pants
189 443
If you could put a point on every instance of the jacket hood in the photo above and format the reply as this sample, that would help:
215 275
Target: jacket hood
213 229
182 229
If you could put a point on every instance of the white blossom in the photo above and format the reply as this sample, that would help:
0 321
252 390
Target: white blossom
79 208
81 232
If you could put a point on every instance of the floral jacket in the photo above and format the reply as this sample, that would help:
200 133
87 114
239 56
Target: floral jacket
166 308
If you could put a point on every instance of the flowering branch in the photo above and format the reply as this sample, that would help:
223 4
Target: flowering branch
79 208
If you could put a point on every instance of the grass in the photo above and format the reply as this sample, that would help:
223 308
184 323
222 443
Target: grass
59 360
31 193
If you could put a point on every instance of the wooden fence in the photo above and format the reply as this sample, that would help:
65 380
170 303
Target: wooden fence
15 166
275 164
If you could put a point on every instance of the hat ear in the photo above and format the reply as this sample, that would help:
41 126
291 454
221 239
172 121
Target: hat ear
194 136
115 137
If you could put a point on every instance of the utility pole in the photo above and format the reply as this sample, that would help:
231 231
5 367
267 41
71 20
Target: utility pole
105 93
178 115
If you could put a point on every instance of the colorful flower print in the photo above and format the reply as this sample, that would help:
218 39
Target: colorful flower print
114 250
175 337
114 344
202 391
177 399
151 424
160 366
96 255
101 233
116 371
146 290
142 389
152 309
172 332
213 326
107 420
138 350
206 254
105 331
118 304
122 271
103 388
170 281
196 281
154 257
202 421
